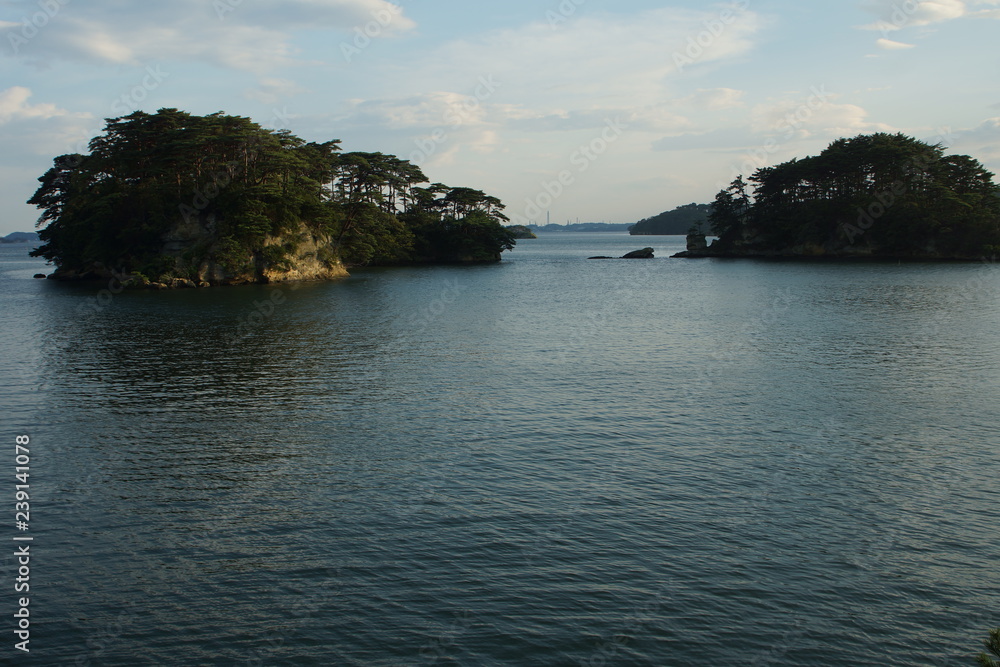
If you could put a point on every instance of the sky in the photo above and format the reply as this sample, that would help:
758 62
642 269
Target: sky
586 110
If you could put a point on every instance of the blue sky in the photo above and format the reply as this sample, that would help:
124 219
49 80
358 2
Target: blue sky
584 109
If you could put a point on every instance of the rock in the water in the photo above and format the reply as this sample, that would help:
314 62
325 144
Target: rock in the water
39 275
645 253
600 257
696 243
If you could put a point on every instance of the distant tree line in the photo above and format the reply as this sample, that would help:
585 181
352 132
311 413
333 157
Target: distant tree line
150 175
879 194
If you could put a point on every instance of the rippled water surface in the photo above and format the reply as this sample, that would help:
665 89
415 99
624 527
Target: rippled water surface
549 461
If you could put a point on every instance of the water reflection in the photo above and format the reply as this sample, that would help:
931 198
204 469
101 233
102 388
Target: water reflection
787 446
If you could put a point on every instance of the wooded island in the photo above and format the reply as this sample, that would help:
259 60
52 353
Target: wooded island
176 199
879 195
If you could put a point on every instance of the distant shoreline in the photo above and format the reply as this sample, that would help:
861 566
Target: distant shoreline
20 237
833 258
582 227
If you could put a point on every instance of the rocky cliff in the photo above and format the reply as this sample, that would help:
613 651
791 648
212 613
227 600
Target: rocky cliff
191 256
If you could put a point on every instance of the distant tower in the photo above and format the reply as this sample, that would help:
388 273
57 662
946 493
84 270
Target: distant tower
548 217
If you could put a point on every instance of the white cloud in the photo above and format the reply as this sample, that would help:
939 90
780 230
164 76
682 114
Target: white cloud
812 118
14 106
895 15
718 140
417 112
595 60
649 118
272 91
587 72
35 132
321 13
240 35
890 45
981 142
987 13
715 98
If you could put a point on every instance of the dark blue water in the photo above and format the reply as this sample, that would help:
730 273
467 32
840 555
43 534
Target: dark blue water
550 461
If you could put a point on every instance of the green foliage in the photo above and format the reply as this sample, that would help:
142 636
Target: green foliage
876 194
232 255
730 210
375 237
521 231
992 644
275 256
161 267
238 185
474 237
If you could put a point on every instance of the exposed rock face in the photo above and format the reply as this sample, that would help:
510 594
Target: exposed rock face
311 259
308 256
645 253
696 243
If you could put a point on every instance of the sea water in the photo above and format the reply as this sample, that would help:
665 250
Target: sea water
547 461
